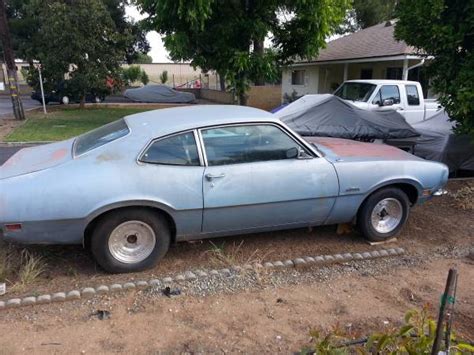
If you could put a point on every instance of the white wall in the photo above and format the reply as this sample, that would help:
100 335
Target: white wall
311 81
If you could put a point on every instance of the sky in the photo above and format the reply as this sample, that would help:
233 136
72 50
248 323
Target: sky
158 51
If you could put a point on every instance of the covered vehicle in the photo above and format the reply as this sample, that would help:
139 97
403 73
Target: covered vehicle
129 189
159 94
329 116
438 142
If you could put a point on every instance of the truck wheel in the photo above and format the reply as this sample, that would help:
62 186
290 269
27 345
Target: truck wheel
130 240
65 100
383 214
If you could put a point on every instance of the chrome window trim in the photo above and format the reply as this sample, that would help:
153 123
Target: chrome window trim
154 140
314 152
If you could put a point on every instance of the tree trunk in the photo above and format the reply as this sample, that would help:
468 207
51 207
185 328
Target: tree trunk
82 102
243 98
259 50
222 82
10 62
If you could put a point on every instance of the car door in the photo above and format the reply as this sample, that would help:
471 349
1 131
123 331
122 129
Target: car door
390 93
171 171
414 108
258 176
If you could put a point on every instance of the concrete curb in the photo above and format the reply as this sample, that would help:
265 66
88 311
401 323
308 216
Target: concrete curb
188 276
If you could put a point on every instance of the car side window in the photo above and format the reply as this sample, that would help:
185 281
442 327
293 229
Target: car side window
179 149
413 97
387 92
247 144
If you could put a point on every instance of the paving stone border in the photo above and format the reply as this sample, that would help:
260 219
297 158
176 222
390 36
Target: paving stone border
89 292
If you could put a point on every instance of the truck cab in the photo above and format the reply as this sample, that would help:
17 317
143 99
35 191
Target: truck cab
404 96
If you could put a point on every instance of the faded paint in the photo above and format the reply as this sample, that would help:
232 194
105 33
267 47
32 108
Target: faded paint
59 154
259 196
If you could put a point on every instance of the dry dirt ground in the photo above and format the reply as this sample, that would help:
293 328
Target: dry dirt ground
265 319
7 125
269 312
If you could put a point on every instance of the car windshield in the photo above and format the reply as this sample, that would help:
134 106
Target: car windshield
100 136
355 91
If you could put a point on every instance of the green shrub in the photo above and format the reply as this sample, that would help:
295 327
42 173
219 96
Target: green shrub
415 336
164 77
131 74
144 78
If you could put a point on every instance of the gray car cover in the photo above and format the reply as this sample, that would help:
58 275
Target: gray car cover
330 116
438 142
159 94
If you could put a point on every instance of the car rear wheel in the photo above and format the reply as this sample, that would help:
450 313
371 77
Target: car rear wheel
130 240
383 214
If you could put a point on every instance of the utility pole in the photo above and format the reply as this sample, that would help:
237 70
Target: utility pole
10 63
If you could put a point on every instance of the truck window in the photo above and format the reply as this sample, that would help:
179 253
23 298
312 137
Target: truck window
413 97
387 92
355 91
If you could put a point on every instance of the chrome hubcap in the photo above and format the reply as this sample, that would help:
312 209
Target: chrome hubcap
132 242
387 215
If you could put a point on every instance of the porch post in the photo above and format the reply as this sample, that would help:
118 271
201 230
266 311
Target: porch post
346 71
405 69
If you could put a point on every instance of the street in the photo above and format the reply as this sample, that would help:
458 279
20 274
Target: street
7 152
6 104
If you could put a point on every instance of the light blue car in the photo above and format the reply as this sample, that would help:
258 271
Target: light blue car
129 189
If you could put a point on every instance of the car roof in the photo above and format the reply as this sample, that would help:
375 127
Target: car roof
381 81
170 120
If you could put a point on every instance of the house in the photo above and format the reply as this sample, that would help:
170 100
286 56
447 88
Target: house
372 53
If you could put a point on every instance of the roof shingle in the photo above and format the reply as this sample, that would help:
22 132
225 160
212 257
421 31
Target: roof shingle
375 41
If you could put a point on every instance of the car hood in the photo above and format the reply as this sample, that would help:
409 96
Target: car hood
29 160
337 149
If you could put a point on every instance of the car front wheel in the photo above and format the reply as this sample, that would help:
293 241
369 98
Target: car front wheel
130 240
383 214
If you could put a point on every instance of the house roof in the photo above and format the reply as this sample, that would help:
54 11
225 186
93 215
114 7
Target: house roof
375 41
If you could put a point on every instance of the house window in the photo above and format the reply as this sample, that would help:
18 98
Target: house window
297 77
394 74
366 73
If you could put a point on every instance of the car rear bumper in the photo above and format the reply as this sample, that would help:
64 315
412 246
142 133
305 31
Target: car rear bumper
45 232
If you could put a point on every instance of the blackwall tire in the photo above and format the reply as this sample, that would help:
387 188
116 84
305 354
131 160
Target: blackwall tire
130 240
383 214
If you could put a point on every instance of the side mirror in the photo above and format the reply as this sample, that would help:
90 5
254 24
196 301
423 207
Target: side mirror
292 153
387 102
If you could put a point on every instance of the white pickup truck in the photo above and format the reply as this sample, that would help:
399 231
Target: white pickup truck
404 96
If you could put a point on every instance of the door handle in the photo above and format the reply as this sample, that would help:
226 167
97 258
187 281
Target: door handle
212 176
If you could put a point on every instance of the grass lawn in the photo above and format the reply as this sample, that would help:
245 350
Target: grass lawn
66 123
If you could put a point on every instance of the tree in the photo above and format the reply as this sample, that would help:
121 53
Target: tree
37 35
444 29
10 62
143 59
164 77
367 13
78 39
228 35
132 35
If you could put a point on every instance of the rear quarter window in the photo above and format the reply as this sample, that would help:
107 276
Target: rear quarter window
100 136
